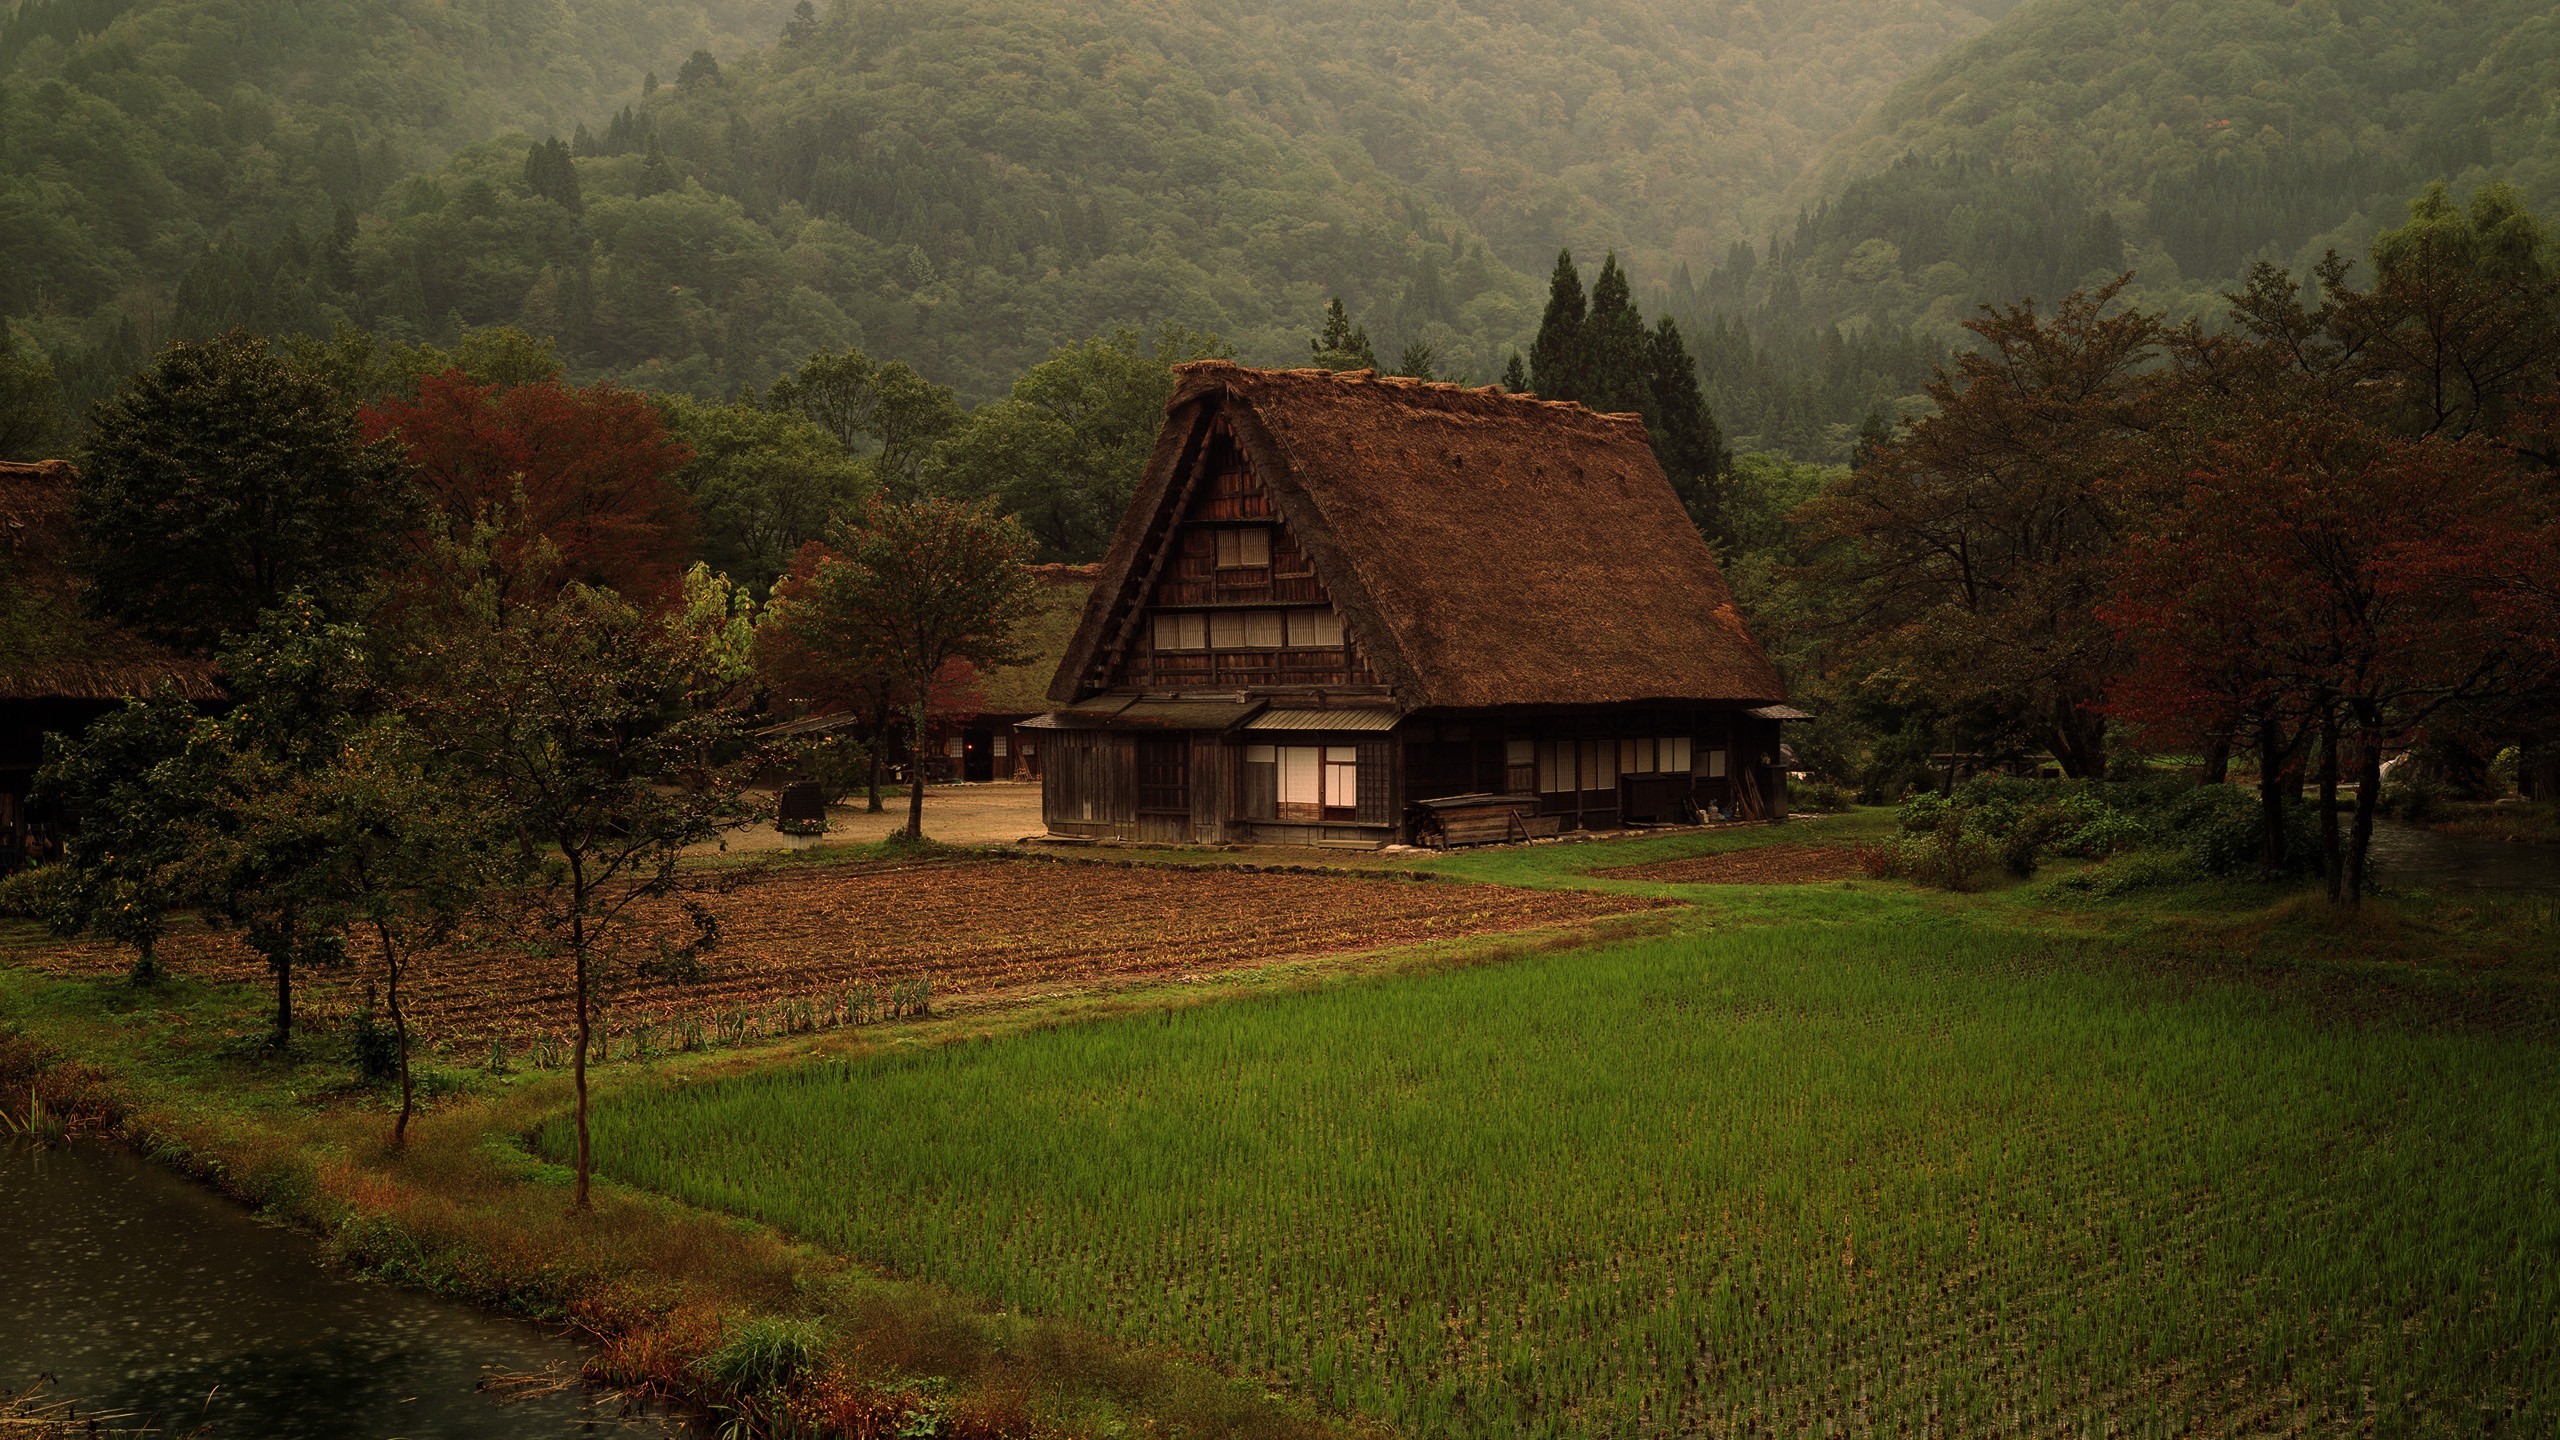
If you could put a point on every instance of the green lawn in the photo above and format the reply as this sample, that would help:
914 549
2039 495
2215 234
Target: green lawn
1830 1154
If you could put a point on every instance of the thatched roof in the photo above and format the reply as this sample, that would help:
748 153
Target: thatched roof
50 647
1486 549
1022 689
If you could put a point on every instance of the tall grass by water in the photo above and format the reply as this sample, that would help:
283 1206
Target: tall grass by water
1922 1176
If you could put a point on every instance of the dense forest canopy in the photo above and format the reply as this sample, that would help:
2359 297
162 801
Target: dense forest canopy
968 187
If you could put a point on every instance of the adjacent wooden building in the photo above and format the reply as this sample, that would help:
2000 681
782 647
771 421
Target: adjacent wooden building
1344 609
60 668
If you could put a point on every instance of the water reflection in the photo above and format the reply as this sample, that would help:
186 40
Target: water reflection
2413 856
137 1290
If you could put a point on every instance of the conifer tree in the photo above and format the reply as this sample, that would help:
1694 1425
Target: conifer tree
657 177
1555 357
1685 436
1342 345
549 173
1515 376
1615 351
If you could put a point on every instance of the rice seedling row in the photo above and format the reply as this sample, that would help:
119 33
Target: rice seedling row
1921 1180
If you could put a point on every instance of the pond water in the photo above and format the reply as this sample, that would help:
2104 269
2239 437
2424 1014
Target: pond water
138 1290
2413 856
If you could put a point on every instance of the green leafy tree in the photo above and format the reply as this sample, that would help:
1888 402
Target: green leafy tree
1975 543
222 478
886 413
261 855
411 859
916 590
1341 345
1064 451
763 483
580 724
130 784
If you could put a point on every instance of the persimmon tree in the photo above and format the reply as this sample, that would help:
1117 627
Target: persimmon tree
912 600
592 471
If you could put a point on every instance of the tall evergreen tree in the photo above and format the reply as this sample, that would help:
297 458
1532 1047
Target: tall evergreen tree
657 177
1686 438
1555 357
549 174
1342 345
1515 376
1615 351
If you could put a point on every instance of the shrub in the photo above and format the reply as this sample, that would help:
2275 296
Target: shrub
2131 872
2111 833
1817 796
374 1047
1923 811
762 1356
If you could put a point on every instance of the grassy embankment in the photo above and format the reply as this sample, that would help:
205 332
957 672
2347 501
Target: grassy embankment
1832 1154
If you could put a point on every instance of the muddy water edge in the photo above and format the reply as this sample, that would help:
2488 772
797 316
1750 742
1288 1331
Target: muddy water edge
128 1288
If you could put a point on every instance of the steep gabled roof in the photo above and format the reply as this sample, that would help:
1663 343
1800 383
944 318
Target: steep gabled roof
1486 549
50 647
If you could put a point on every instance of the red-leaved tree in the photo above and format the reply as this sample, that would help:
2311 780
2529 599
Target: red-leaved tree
591 467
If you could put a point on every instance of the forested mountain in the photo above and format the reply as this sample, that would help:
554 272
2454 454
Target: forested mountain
963 185
135 133
2184 140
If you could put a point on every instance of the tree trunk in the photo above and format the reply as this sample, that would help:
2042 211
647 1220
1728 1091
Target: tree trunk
578 1057
2217 757
915 771
2368 800
2331 870
400 1037
2079 742
2271 856
879 744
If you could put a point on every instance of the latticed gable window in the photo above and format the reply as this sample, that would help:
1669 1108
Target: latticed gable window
1314 629
1244 549
1176 630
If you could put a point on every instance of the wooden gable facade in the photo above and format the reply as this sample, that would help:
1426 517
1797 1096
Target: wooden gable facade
1350 611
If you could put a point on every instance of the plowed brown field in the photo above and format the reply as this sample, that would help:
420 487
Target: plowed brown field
1759 865
839 937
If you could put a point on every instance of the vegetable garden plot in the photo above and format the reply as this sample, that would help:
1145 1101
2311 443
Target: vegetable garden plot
804 946
1757 865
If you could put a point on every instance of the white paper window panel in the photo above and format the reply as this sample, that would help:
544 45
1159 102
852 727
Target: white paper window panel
1600 765
1341 776
952 747
1314 629
1301 775
1003 746
1262 754
1243 549
1636 757
1675 755
1182 632
1262 630
1715 764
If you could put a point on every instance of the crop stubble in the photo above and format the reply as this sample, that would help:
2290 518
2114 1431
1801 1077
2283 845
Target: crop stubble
973 928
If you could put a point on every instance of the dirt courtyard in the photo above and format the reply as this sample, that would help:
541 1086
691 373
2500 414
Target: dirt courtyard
987 813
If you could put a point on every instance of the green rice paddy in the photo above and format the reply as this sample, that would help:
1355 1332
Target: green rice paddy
1916 1174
